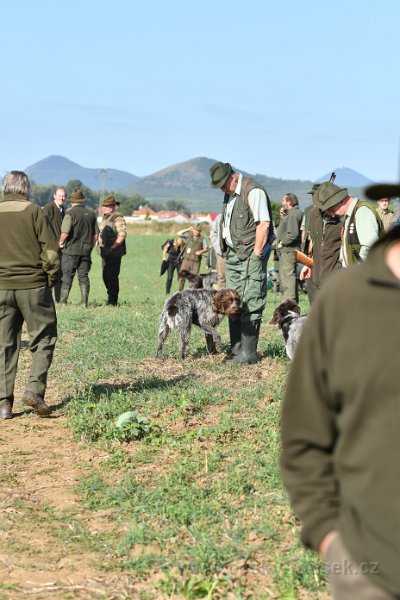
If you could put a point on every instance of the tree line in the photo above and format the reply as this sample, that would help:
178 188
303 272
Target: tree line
41 194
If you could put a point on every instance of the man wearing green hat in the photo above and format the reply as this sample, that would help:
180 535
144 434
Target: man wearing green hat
112 247
246 234
323 232
78 236
361 223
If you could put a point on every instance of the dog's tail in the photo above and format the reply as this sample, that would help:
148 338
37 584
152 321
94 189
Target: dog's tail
172 307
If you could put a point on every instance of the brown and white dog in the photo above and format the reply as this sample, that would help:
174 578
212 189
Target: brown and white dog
287 316
204 308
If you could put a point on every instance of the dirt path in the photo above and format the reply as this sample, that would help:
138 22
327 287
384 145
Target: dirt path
40 513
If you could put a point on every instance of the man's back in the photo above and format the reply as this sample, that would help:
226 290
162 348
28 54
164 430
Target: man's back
25 245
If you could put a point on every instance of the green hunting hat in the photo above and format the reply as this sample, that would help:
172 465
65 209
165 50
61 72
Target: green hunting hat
109 201
314 188
197 228
220 173
328 194
77 197
383 190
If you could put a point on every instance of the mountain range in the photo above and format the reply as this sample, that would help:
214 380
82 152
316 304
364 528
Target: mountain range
188 181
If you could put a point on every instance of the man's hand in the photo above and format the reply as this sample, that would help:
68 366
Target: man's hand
326 540
305 273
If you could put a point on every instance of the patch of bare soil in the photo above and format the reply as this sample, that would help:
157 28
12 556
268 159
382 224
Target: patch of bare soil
41 514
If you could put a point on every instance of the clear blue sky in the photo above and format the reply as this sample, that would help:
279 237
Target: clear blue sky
289 89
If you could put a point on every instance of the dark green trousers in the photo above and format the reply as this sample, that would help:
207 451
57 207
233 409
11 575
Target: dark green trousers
287 276
249 279
36 308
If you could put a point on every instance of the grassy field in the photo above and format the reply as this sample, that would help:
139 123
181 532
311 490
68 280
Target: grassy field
191 487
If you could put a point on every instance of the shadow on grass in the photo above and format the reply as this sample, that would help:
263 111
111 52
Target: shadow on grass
105 389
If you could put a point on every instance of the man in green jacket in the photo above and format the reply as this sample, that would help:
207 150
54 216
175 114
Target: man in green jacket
340 439
79 232
29 267
288 236
362 225
246 234
195 245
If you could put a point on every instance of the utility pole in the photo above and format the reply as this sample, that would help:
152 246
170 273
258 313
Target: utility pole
103 179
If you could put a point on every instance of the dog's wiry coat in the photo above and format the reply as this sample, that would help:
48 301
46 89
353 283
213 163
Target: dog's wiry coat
287 316
205 308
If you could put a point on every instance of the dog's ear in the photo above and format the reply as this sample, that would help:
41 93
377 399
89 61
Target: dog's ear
296 308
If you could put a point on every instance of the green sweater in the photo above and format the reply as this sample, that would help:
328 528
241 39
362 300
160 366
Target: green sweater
27 257
341 415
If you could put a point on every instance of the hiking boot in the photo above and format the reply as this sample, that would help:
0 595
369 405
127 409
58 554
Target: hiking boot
36 401
6 410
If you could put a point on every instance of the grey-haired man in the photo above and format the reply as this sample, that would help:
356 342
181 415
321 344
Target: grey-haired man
246 233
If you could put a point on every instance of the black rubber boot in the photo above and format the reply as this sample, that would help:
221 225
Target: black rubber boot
84 295
248 345
65 289
235 335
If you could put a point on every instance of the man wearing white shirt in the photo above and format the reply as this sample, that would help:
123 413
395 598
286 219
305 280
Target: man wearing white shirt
246 233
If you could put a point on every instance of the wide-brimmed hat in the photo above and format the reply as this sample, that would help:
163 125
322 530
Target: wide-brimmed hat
77 197
109 201
220 173
383 190
328 194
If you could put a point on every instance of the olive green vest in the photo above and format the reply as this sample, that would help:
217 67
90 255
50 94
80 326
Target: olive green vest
194 244
109 234
352 241
243 226
80 237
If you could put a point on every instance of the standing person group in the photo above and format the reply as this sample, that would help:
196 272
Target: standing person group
29 268
245 235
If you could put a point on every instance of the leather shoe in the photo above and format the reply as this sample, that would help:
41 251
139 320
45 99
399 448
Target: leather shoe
31 398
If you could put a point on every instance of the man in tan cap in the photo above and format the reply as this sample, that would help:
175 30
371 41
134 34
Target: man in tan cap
112 247
361 223
78 236
246 234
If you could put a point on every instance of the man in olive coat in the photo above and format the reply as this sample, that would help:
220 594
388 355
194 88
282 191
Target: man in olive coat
54 212
78 236
29 267
246 234
340 439
288 236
